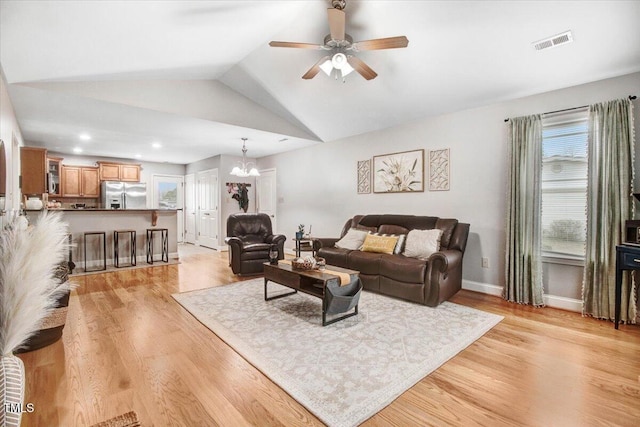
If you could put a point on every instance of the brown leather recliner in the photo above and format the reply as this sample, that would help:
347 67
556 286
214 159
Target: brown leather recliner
249 236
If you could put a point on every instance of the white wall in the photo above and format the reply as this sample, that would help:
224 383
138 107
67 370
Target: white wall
317 185
10 132
228 206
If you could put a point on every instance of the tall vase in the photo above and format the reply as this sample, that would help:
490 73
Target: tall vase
11 390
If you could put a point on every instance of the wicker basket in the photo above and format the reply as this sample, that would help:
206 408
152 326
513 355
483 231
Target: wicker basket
304 265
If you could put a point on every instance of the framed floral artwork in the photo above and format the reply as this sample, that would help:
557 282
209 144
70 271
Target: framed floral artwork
399 172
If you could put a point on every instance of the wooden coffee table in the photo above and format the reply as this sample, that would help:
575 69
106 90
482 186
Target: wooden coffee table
312 282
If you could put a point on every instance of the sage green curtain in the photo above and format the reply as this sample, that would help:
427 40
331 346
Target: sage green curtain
524 236
609 205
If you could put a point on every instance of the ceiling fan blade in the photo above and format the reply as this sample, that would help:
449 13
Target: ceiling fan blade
362 68
336 23
313 71
376 44
296 45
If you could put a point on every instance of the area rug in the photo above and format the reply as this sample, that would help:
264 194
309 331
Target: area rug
345 372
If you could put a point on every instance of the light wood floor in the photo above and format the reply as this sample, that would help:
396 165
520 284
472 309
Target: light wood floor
128 345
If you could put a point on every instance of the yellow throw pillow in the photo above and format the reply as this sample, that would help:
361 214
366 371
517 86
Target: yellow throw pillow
379 244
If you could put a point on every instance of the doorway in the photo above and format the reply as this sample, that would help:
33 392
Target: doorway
207 210
168 193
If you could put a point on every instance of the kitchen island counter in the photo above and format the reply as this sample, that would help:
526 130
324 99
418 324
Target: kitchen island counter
105 210
108 220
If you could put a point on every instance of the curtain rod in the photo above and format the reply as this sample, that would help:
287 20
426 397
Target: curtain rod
631 97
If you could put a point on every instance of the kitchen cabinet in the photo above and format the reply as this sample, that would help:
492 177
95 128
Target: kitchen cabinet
80 181
119 172
53 179
33 170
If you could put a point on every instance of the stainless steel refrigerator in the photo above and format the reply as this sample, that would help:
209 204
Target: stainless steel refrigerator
124 195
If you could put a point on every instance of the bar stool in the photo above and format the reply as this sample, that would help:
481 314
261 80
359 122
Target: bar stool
116 247
164 234
104 249
70 262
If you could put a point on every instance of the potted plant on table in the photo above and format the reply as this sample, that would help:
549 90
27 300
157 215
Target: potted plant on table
29 291
300 232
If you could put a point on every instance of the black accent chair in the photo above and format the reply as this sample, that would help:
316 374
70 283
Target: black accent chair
249 236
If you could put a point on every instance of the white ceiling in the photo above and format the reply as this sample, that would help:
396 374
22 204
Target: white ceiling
199 75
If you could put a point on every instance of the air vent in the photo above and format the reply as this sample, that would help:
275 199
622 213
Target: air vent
553 41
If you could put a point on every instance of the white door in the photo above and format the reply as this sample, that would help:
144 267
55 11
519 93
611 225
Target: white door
266 195
207 212
189 208
168 193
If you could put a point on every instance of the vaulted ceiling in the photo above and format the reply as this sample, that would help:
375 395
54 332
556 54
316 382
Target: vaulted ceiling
197 76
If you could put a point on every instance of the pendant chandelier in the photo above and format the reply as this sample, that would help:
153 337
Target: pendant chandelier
243 170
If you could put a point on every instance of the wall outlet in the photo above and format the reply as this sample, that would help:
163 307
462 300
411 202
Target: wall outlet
485 262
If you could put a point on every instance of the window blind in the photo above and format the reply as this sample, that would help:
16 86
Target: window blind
564 183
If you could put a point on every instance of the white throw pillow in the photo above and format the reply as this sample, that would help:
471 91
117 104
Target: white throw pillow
422 243
352 240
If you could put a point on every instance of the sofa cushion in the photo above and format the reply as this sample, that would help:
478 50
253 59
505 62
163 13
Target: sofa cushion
379 243
403 269
447 225
392 229
352 240
253 247
364 262
334 256
410 222
422 243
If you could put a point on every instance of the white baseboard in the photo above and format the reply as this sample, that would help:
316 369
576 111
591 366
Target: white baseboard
563 303
484 288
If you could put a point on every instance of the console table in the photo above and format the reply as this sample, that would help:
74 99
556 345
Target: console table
627 258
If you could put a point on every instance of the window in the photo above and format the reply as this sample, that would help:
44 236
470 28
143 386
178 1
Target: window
564 184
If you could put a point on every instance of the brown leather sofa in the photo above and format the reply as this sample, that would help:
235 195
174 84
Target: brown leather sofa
427 282
249 236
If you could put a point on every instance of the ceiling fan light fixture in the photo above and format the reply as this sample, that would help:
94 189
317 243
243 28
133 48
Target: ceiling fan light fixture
327 67
338 44
346 69
339 60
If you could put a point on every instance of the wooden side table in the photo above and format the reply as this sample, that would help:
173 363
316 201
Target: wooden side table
304 245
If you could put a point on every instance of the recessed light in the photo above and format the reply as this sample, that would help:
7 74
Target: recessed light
77 150
85 136
138 156
156 145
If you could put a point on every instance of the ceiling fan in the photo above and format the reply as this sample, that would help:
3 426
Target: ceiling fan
341 48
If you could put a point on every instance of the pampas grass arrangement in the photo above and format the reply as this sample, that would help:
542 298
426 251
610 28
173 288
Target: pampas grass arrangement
28 287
